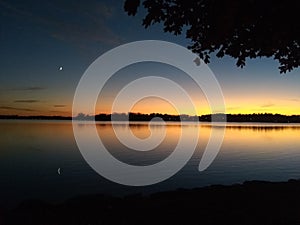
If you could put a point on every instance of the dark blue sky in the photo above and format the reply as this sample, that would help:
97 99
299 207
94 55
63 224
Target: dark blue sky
37 37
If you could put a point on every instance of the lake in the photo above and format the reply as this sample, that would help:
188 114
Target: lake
32 153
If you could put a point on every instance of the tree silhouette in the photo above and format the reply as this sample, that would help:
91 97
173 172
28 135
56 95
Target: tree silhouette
241 29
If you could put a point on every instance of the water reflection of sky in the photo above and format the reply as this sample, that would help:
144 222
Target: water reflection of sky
32 151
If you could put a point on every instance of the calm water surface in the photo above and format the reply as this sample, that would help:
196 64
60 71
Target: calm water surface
32 151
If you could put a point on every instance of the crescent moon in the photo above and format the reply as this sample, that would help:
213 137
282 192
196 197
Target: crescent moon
58 171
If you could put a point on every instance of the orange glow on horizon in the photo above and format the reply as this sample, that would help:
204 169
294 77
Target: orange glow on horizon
157 105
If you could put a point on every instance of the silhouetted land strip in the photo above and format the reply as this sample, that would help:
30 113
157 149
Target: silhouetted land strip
254 202
262 118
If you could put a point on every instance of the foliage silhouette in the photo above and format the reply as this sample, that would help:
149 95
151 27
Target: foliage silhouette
240 29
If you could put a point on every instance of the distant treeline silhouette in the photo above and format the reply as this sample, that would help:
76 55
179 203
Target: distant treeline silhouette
256 117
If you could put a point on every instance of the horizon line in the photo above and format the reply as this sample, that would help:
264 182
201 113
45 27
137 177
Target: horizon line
138 113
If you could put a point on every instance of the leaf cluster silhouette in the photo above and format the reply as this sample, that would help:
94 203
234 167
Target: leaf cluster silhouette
240 29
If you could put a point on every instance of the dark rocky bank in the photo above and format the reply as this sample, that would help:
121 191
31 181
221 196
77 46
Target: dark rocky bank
251 203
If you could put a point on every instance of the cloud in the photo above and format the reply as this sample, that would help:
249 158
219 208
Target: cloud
267 105
295 99
106 10
26 101
19 109
33 88
56 111
30 88
75 22
233 108
59 106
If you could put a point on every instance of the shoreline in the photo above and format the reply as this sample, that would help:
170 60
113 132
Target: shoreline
252 202
138 117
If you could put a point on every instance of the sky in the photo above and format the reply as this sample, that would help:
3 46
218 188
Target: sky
46 46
